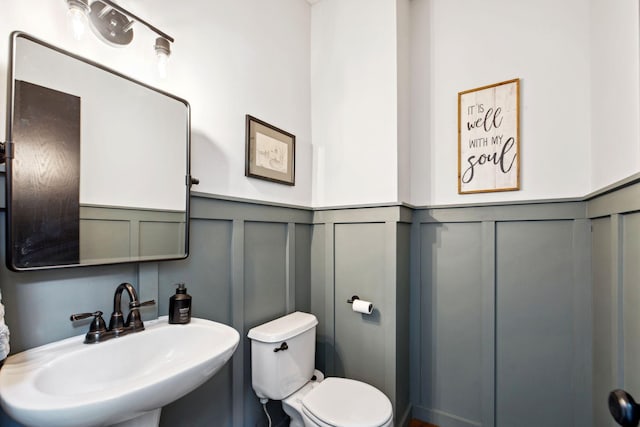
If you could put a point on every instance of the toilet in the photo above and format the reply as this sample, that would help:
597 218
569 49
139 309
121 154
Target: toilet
282 368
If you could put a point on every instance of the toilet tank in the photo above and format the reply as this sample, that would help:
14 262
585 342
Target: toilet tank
277 374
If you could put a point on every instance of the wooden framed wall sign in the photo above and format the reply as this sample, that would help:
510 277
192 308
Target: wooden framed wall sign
270 153
489 138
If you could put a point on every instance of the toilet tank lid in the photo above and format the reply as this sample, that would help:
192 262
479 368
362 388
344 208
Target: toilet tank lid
283 328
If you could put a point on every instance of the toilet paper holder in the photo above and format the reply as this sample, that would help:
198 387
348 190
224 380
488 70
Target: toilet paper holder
360 306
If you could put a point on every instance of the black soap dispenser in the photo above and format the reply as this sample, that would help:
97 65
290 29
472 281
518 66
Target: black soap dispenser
180 306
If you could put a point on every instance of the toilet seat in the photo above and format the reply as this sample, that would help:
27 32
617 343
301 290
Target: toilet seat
341 402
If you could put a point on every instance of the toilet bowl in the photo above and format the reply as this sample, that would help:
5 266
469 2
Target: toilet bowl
338 402
282 368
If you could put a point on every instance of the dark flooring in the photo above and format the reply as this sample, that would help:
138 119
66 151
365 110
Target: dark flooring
418 423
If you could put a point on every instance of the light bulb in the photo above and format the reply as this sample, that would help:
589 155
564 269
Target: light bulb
77 15
163 50
162 59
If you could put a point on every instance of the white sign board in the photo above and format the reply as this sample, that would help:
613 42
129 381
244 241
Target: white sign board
489 138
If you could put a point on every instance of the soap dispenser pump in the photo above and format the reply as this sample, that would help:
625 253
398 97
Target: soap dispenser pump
180 306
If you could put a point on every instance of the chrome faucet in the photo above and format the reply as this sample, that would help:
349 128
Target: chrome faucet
98 331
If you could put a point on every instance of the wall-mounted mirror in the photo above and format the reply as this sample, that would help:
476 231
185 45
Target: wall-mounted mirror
97 163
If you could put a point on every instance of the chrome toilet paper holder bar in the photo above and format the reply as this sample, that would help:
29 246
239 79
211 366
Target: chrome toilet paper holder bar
353 298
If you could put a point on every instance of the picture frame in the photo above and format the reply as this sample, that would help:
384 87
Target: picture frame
270 152
489 138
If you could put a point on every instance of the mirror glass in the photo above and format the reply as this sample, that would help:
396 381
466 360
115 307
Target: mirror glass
97 165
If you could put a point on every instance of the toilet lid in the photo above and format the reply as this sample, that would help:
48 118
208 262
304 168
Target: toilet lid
347 403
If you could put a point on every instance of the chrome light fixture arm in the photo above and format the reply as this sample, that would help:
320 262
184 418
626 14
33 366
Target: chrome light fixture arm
136 18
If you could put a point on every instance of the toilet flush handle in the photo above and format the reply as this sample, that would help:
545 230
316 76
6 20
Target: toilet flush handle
282 347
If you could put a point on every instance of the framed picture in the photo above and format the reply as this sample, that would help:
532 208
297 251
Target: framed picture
489 138
271 152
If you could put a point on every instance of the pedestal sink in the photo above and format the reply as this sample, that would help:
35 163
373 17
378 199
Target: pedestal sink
123 381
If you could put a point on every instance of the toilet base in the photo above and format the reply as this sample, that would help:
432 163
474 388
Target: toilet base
292 405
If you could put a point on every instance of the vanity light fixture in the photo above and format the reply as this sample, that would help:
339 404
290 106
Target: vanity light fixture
113 24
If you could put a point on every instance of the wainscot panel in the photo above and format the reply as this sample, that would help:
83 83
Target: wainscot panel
452 322
540 324
207 276
265 297
484 276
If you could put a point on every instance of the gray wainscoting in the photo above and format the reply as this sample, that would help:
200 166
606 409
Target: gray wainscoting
503 315
502 333
109 232
616 296
249 263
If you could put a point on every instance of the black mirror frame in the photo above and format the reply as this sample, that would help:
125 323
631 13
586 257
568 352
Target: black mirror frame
6 155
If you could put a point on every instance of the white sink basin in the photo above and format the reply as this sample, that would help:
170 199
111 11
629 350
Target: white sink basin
69 383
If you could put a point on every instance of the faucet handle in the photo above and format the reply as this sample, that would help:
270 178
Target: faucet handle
97 329
134 319
80 316
136 304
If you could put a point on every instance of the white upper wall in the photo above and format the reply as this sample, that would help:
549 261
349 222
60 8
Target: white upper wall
464 44
579 115
379 69
230 58
615 92
354 102
244 57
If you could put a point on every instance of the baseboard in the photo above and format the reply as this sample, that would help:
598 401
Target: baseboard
442 419
403 421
